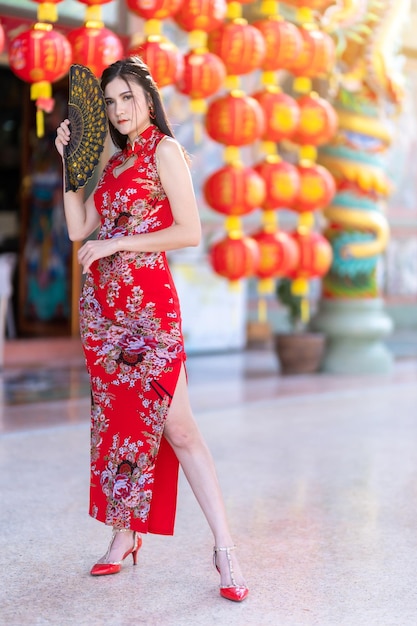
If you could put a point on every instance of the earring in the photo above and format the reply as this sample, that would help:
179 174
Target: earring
151 112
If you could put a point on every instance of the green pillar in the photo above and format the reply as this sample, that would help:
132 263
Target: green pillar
351 313
355 330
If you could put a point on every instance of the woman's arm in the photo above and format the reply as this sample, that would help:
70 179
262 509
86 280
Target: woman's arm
186 229
81 217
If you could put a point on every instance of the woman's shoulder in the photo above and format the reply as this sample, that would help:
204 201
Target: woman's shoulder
168 147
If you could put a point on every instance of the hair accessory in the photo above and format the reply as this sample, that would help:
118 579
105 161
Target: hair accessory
88 125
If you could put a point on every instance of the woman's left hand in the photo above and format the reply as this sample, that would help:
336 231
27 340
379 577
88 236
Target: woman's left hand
95 249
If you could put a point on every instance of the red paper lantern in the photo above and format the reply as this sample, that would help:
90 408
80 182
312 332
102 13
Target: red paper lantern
95 47
235 119
317 188
281 113
204 15
40 56
278 254
283 43
235 258
203 75
317 55
163 58
315 255
154 9
234 190
282 182
240 46
318 121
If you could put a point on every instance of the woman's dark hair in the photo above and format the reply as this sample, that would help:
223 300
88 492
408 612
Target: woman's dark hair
135 70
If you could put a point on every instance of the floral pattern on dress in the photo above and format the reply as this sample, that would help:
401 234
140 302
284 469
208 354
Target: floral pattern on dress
128 477
130 325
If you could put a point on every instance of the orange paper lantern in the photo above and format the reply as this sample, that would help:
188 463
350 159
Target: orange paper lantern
154 9
234 190
235 119
318 121
282 182
163 58
283 43
281 113
317 188
240 46
278 254
95 47
204 15
203 75
315 255
235 258
317 55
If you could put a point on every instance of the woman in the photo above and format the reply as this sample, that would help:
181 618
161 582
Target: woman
142 424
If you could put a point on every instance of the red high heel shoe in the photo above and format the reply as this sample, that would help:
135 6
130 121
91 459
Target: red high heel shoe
103 569
234 592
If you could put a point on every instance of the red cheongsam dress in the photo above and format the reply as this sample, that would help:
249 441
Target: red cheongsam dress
131 331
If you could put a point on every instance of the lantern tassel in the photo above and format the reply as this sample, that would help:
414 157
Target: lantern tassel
40 123
40 91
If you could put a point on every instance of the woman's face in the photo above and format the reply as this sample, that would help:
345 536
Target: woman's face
127 107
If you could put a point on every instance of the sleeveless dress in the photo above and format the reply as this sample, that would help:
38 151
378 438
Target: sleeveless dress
130 327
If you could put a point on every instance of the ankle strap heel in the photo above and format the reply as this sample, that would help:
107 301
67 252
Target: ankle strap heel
106 567
233 592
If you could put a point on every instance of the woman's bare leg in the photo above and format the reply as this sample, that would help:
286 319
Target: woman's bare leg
197 463
183 434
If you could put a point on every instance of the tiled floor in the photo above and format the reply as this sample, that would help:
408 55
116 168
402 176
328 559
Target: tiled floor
319 475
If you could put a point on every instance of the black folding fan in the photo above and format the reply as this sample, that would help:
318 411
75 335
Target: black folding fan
88 126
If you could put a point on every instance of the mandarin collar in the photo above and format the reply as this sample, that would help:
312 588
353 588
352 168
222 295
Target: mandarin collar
140 140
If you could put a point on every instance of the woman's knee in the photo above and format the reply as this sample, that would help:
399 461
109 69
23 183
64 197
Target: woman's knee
181 433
